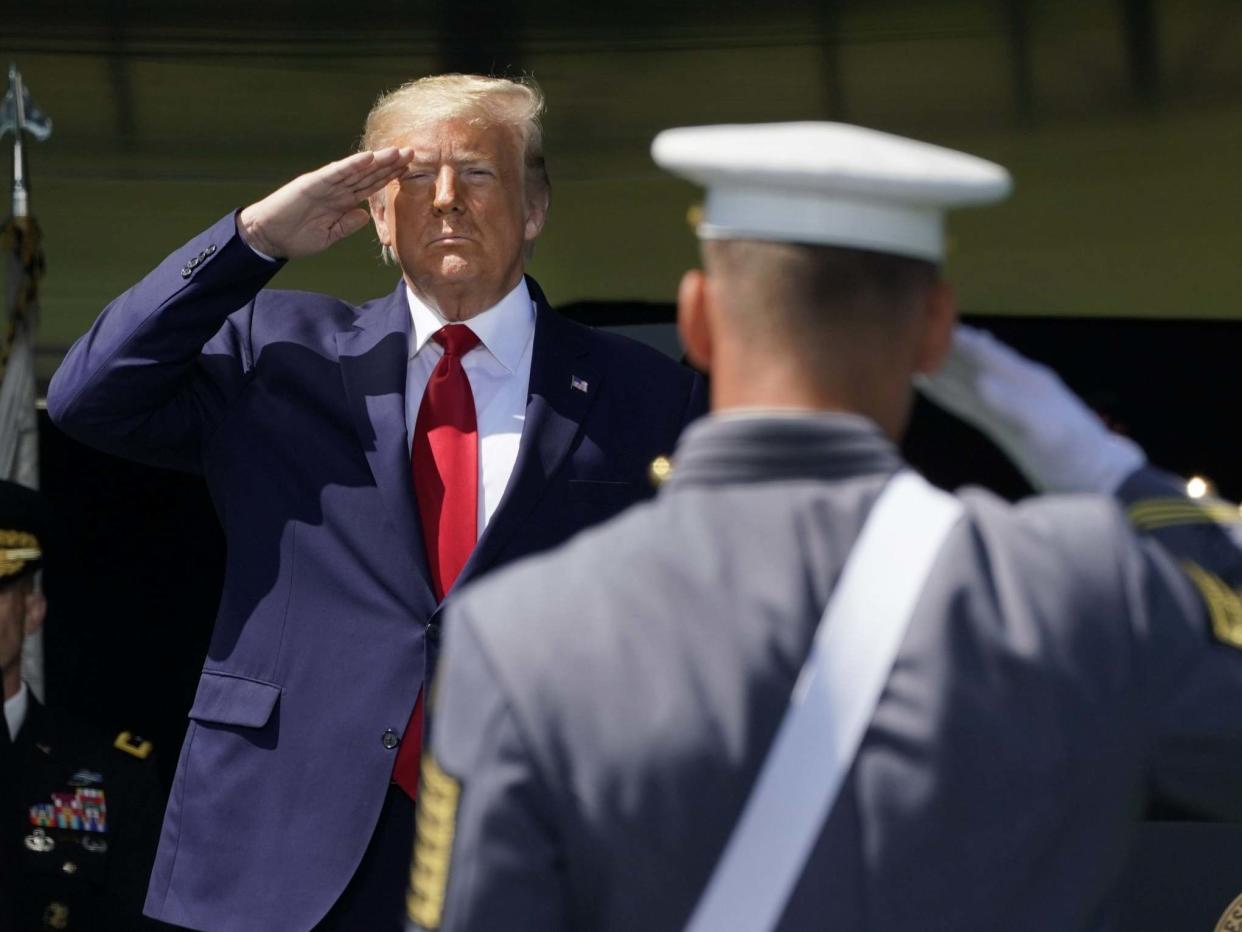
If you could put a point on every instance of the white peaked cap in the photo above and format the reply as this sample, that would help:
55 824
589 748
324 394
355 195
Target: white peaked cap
827 183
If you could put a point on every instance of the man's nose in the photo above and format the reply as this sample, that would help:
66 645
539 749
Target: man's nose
446 200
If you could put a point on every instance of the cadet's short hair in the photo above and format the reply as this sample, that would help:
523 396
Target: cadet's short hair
833 283
426 101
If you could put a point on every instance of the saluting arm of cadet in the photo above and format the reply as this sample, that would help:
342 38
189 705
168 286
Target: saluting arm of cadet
1057 442
160 366
1183 575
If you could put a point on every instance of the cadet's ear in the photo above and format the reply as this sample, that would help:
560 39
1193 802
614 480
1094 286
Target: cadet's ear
940 320
36 611
692 320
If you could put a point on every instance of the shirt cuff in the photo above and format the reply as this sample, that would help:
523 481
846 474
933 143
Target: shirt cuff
260 253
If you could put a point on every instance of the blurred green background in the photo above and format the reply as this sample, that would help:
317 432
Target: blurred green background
1121 121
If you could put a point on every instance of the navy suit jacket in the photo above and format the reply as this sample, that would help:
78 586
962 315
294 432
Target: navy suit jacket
292 405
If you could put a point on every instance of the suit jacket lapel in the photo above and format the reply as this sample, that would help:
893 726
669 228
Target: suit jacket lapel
374 356
564 381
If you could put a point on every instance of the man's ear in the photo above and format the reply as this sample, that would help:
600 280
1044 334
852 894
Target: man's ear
692 319
379 215
536 215
940 317
36 611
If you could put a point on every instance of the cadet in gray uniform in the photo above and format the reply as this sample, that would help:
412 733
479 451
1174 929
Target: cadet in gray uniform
603 711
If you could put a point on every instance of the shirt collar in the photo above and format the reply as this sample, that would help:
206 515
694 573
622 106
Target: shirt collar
15 711
504 328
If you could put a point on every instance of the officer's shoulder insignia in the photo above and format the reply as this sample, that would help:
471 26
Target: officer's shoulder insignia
1224 606
438 795
133 745
1231 919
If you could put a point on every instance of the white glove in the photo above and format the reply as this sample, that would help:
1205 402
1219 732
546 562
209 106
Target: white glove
1057 442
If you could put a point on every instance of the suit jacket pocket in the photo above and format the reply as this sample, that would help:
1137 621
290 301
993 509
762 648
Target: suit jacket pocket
231 699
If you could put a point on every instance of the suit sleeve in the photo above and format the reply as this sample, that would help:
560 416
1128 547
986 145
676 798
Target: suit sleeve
153 376
487 854
1187 613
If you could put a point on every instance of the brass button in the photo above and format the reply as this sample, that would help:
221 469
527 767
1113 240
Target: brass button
659 471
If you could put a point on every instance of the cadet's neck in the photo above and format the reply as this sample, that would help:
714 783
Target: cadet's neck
771 383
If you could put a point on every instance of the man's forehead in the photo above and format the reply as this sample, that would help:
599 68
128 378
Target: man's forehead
460 139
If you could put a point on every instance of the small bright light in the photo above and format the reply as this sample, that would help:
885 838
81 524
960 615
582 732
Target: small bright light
1197 487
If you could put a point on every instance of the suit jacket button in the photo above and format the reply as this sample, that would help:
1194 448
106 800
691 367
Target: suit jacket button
210 249
390 739
432 633
187 272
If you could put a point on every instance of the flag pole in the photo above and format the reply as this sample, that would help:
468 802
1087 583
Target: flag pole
20 240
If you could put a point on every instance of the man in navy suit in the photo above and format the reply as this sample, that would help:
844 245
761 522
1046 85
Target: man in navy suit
364 462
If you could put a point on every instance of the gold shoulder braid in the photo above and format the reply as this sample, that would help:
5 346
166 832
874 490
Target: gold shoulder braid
1154 513
433 847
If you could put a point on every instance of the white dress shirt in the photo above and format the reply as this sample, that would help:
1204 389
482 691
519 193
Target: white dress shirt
15 711
499 374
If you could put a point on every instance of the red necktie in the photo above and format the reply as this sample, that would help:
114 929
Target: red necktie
445 465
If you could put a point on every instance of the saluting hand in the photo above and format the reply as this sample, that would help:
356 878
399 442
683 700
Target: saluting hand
317 209
1048 432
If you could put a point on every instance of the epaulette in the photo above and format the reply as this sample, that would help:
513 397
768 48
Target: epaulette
133 745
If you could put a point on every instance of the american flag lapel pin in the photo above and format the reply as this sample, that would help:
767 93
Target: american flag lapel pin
578 384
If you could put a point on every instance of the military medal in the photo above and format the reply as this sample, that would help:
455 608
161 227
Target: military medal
40 841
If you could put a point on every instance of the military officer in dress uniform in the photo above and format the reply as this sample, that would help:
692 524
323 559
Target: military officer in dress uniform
81 812
802 689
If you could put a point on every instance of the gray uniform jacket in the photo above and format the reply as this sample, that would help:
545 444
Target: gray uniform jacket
603 710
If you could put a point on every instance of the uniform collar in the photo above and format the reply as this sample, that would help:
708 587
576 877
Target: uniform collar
505 328
15 710
761 445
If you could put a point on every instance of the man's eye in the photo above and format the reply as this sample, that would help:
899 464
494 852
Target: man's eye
478 173
416 176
